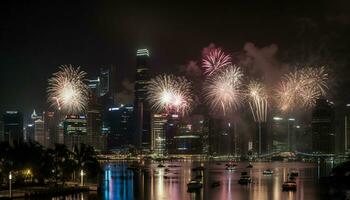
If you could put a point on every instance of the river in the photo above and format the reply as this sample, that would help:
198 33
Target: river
170 182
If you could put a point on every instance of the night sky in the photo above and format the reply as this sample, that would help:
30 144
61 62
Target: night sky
36 38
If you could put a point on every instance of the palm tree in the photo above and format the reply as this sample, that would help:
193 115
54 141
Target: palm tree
85 159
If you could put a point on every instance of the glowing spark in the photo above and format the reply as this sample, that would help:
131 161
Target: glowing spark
257 99
223 90
67 90
171 94
215 60
302 87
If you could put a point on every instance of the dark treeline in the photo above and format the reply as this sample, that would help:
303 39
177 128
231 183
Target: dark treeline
31 163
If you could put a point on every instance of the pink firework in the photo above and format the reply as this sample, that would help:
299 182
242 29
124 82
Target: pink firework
215 60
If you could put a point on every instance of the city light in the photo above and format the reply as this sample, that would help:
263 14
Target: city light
277 118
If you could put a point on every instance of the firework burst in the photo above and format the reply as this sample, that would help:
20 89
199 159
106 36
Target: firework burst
257 100
215 60
223 90
67 90
302 87
171 94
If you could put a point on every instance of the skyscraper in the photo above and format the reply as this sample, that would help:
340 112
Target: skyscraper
50 128
95 86
184 136
104 81
322 127
107 85
75 130
39 132
13 127
94 130
30 132
347 129
119 125
158 134
260 143
282 130
142 110
222 137
1 130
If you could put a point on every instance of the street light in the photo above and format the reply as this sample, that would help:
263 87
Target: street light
82 177
10 184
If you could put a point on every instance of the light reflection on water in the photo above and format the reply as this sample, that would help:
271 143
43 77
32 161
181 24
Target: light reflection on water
155 183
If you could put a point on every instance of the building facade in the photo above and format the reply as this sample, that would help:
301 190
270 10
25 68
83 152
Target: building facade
119 126
13 127
75 130
322 127
158 140
39 132
283 135
142 113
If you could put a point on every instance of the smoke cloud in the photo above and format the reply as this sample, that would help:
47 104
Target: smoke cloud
126 95
262 62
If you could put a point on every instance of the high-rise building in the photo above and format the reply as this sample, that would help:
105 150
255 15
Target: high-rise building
347 129
95 86
222 137
184 136
322 127
158 134
107 85
261 138
142 109
60 133
1 130
30 132
13 127
94 130
75 130
205 136
119 125
282 134
39 132
50 128
104 81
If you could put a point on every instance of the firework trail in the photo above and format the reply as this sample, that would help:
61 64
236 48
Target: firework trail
215 60
302 87
67 90
223 90
171 94
257 99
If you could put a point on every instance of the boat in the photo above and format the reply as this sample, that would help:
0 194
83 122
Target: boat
231 164
244 179
199 176
231 168
194 185
289 186
293 173
174 166
250 165
160 166
268 172
200 168
215 184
